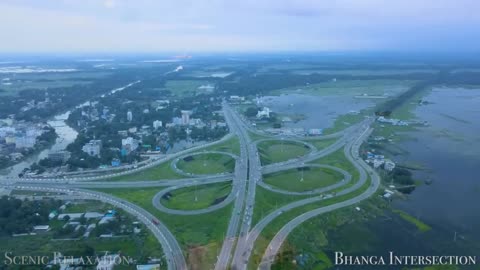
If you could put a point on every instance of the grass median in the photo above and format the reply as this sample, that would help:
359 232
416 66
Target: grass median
200 236
159 172
231 145
303 179
280 150
271 230
197 197
207 163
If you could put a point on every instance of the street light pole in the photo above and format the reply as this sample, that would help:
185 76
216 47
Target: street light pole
302 168
195 188
204 159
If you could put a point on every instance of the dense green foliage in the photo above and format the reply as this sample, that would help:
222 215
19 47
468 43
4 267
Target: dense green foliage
20 216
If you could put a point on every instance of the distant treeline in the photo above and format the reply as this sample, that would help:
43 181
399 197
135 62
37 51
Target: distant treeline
65 98
385 109
441 78
249 83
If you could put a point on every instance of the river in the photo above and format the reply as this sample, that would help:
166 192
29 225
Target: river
66 135
449 150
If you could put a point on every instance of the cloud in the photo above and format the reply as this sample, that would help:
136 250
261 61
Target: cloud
109 3
218 25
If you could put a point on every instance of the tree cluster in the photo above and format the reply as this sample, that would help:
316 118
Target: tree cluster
20 216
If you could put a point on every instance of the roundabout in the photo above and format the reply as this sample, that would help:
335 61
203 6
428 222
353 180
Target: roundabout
306 179
279 150
194 198
204 163
208 181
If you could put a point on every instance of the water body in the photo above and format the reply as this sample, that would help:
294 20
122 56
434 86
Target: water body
379 236
66 135
319 111
449 149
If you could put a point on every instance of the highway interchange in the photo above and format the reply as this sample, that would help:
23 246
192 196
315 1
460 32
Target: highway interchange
240 237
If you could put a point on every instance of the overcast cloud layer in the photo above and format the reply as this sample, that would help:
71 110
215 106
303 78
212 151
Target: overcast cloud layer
238 25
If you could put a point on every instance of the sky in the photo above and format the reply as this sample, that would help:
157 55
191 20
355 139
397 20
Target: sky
186 26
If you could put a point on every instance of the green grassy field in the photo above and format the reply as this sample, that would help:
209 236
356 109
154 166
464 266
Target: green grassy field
200 236
46 80
321 144
162 171
185 87
418 223
350 88
338 159
276 151
313 178
267 201
313 239
269 232
209 163
198 197
256 137
231 145
346 120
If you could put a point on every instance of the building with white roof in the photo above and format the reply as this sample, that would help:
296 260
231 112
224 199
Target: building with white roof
389 165
107 262
130 144
157 124
129 116
93 148
265 112
186 117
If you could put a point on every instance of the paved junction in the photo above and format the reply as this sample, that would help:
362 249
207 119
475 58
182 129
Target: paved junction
248 172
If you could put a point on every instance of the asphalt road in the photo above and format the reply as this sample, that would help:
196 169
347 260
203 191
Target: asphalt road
310 146
170 246
156 200
240 181
242 254
346 179
175 168
352 154
255 176
240 237
130 170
